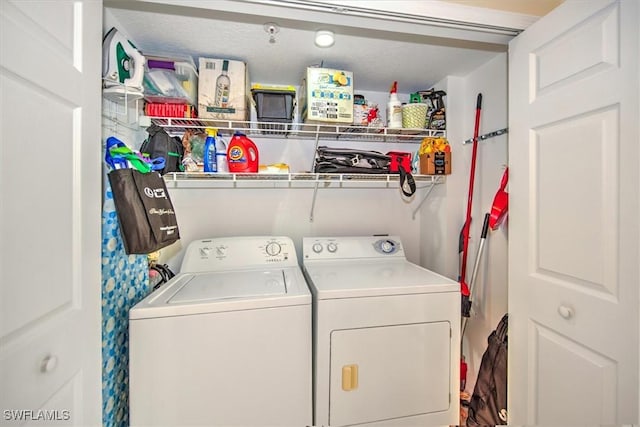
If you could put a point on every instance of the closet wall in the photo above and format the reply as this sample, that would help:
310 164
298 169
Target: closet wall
430 236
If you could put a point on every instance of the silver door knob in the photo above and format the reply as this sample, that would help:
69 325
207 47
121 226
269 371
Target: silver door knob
565 312
48 364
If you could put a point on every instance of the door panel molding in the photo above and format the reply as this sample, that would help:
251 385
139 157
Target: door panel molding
592 45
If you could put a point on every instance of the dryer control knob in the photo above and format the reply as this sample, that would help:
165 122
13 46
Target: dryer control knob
205 251
388 246
332 247
317 247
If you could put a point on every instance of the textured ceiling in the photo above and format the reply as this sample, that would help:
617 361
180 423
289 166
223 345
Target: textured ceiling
376 57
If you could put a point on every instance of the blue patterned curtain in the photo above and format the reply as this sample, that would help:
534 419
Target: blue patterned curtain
125 281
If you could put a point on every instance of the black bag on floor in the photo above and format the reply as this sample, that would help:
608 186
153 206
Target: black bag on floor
346 160
145 212
488 405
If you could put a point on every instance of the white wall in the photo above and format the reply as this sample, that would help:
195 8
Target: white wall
490 289
444 213
206 213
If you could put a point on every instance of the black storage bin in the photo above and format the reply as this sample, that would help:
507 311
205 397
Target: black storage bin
274 109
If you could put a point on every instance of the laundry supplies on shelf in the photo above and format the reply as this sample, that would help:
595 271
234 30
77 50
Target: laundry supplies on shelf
222 163
394 108
210 163
242 154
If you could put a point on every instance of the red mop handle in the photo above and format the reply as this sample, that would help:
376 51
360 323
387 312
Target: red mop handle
467 223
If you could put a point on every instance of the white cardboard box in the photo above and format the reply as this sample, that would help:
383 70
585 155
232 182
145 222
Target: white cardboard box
223 94
326 96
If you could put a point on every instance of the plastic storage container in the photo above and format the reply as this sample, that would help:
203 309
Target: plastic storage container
170 81
274 107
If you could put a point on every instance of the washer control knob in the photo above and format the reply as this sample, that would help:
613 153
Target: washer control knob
332 247
317 247
221 250
205 251
273 248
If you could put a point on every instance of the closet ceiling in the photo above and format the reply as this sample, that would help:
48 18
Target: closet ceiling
377 54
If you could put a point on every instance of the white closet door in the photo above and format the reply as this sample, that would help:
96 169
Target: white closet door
50 182
574 217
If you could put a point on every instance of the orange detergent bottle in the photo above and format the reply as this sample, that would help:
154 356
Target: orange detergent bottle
242 154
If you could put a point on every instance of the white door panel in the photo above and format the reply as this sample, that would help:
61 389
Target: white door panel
559 246
573 238
592 46
560 358
50 183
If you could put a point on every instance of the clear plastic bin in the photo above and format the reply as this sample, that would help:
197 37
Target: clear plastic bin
171 86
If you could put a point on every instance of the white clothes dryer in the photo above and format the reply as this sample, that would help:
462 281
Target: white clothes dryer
386 335
225 342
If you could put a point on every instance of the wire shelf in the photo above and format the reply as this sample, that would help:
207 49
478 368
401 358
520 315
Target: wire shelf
299 130
216 180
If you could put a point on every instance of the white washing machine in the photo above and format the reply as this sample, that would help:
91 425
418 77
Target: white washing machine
225 342
386 335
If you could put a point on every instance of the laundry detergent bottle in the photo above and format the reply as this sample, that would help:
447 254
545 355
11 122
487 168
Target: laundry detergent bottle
221 155
242 154
209 155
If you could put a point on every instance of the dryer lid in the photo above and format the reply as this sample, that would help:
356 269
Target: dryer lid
353 279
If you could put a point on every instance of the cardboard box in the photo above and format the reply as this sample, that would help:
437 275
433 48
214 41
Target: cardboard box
223 94
326 96
437 163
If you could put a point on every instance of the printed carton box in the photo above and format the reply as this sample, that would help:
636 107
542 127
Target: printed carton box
435 163
326 96
223 89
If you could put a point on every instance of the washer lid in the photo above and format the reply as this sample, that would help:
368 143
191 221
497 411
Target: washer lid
224 285
213 292
352 279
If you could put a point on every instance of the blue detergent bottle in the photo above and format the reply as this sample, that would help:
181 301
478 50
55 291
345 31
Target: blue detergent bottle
210 150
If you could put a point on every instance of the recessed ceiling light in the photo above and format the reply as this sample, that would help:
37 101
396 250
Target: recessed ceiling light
324 38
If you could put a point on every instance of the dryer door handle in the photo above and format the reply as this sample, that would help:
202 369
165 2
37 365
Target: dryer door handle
349 377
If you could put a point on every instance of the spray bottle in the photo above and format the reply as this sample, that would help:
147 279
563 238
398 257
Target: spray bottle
394 108
210 150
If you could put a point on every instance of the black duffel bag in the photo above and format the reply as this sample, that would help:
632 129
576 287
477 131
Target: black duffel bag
347 160
488 405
